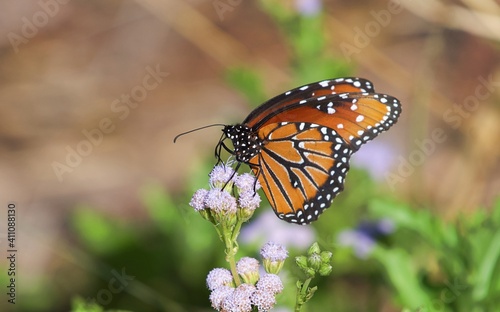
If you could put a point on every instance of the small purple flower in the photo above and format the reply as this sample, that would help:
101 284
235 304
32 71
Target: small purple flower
376 229
308 7
363 238
218 295
274 256
219 277
270 283
263 300
248 269
220 175
377 158
198 200
246 183
362 244
239 300
247 265
274 252
265 227
220 201
249 200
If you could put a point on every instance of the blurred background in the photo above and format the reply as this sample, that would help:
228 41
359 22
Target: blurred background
92 94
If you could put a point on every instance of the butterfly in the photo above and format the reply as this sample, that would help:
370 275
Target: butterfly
298 144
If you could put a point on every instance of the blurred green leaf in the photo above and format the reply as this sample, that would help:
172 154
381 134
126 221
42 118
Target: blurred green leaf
99 232
248 82
486 268
160 206
79 304
403 276
435 231
194 236
306 37
277 10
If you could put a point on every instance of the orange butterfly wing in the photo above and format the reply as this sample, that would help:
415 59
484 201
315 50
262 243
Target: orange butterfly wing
301 168
299 143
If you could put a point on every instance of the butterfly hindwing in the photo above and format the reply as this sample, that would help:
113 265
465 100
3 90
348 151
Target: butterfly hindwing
302 167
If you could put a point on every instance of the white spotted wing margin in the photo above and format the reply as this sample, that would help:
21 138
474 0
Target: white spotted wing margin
303 166
304 94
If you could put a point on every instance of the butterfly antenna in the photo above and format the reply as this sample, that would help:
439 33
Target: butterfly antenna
200 128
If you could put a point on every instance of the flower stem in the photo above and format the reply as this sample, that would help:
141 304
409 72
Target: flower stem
232 265
302 294
236 231
231 250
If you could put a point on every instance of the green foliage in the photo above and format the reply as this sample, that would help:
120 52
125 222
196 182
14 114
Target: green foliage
403 276
316 262
167 259
310 58
80 305
248 82
466 253
99 233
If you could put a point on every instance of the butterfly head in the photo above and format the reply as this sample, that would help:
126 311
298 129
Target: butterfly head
245 141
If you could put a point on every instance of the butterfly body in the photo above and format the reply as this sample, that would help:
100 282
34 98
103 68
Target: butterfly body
245 141
298 144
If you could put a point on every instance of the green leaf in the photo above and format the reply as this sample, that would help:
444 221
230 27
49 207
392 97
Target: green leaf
434 230
161 207
403 276
248 82
100 233
486 268
308 40
78 304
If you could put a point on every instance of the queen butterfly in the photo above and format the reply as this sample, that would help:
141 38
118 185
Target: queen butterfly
298 144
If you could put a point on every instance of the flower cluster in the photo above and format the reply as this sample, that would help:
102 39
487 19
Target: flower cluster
256 291
316 261
218 205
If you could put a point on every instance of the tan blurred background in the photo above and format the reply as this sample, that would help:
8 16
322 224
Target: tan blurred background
68 75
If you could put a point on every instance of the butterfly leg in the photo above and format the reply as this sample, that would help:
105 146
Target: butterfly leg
257 171
232 175
218 150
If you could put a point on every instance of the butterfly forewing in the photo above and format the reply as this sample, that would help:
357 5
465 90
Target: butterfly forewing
358 117
298 95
